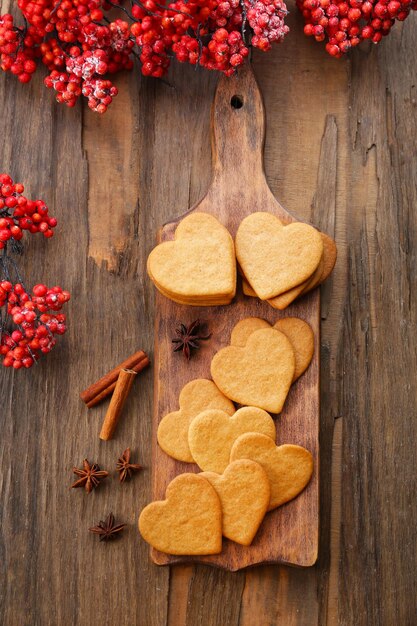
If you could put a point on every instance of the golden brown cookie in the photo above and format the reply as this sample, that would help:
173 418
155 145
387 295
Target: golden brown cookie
260 373
295 329
322 272
212 434
275 258
301 336
198 395
189 521
199 264
288 467
244 494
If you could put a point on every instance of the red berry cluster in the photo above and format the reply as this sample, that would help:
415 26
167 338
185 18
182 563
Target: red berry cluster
343 24
36 322
16 56
17 213
29 322
267 20
81 46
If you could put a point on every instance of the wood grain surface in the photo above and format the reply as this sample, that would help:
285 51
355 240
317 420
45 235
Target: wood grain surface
288 534
340 151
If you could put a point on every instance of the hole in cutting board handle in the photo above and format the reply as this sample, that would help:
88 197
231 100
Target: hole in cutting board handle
236 102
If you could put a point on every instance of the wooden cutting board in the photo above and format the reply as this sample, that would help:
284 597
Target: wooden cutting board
290 533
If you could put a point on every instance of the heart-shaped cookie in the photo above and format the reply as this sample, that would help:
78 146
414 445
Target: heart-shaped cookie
260 373
322 272
295 329
189 521
198 395
244 494
212 434
288 467
284 299
199 264
275 258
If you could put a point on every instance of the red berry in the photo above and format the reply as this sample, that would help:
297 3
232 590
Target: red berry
40 290
367 32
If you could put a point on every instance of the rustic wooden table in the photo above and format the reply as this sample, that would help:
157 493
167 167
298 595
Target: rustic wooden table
341 152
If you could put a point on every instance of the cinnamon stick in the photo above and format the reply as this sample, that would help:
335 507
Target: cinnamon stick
121 391
105 386
108 390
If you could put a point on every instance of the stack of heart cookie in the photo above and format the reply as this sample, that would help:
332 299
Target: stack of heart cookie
198 268
262 362
278 262
244 473
281 262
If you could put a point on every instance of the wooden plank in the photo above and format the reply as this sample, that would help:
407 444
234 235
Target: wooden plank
53 571
34 445
377 573
281 595
336 521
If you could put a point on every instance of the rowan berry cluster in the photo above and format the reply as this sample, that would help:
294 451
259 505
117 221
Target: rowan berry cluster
18 214
81 46
29 321
343 24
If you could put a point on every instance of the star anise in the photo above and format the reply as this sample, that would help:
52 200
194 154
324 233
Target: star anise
90 476
107 530
189 337
125 467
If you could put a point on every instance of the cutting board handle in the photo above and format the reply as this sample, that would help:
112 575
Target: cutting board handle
238 131
238 186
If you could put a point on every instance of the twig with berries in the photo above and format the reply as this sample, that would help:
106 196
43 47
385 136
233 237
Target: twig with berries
80 44
344 24
29 321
